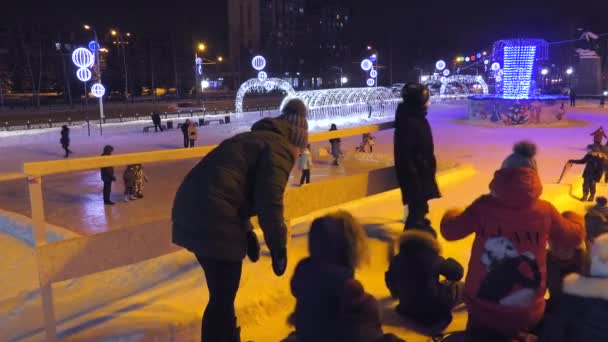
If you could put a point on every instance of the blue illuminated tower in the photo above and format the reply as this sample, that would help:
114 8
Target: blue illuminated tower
518 58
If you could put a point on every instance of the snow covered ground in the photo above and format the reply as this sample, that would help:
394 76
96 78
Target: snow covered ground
162 299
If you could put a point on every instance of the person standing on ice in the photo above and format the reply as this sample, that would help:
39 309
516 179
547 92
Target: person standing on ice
414 154
244 176
192 134
594 170
107 176
185 127
598 136
65 140
336 149
305 165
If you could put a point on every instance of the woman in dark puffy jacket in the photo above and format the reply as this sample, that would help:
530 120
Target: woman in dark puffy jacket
65 140
107 176
330 304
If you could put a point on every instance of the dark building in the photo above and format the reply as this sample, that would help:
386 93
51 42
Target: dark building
304 41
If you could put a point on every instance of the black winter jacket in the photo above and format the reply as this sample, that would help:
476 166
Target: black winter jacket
413 277
594 165
331 306
244 176
65 137
414 154
582 313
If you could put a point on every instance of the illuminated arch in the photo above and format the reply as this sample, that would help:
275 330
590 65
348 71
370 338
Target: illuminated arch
342 105
255 85
464 80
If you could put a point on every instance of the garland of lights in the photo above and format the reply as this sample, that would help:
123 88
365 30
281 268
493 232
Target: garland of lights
518 59
254 85
464 80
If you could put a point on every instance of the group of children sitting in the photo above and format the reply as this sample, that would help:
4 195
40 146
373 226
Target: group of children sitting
522 247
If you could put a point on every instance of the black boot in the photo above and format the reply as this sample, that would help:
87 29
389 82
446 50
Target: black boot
253 246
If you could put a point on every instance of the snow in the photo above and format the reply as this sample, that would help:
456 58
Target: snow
162 299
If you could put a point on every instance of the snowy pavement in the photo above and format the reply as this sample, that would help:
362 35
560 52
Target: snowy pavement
162 299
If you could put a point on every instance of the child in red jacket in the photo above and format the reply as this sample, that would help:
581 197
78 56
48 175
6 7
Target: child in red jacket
506 280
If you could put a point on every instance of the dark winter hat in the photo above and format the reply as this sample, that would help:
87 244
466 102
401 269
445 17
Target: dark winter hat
522 156
601 201
295 112
107 150
415 94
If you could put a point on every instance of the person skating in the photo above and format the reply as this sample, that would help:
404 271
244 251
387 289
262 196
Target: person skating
505 283
583 309
331 305
572 98
244 176
140 179
414 155
413 278
192 134
129 179
107 176
594 162
157 122
65 140
305 165
336 150
184 128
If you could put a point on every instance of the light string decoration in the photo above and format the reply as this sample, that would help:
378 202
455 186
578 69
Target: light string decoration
255 85
518 59
465 81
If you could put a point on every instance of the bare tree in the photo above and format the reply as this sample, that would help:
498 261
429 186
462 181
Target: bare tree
28 54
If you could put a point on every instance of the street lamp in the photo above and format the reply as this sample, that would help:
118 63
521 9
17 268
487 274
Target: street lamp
122 41
113 32
202 47
220 59
343 80
544 72
569 71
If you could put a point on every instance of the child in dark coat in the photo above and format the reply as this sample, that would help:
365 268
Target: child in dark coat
330 304
129 179
413 277
583 311
594 169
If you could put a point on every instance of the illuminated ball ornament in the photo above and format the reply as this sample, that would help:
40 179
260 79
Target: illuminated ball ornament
93 46
478 55
262 76
258 62
98 90
486 62
467 59
373 58
495 66
366 64
204 84
83 74
473 58
370 82
440 65
443 79
373 74
446 72
83 58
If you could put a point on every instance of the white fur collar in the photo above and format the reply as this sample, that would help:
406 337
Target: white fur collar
581 286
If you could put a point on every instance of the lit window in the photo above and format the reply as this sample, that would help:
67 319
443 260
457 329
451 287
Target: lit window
58 46
337 16
301 10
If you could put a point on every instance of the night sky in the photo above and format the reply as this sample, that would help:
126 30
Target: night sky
417 29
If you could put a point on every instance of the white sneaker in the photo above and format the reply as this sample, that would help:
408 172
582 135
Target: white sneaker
126 198
132 198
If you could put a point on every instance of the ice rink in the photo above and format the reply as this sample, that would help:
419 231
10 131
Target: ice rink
162 299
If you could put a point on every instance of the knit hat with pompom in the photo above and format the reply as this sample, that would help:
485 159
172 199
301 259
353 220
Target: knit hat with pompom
522 156
295 112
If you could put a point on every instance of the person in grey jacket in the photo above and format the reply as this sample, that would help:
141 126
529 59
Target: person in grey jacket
244 176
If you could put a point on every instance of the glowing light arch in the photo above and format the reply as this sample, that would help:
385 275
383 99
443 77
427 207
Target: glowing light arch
464 80
343 105
255 85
